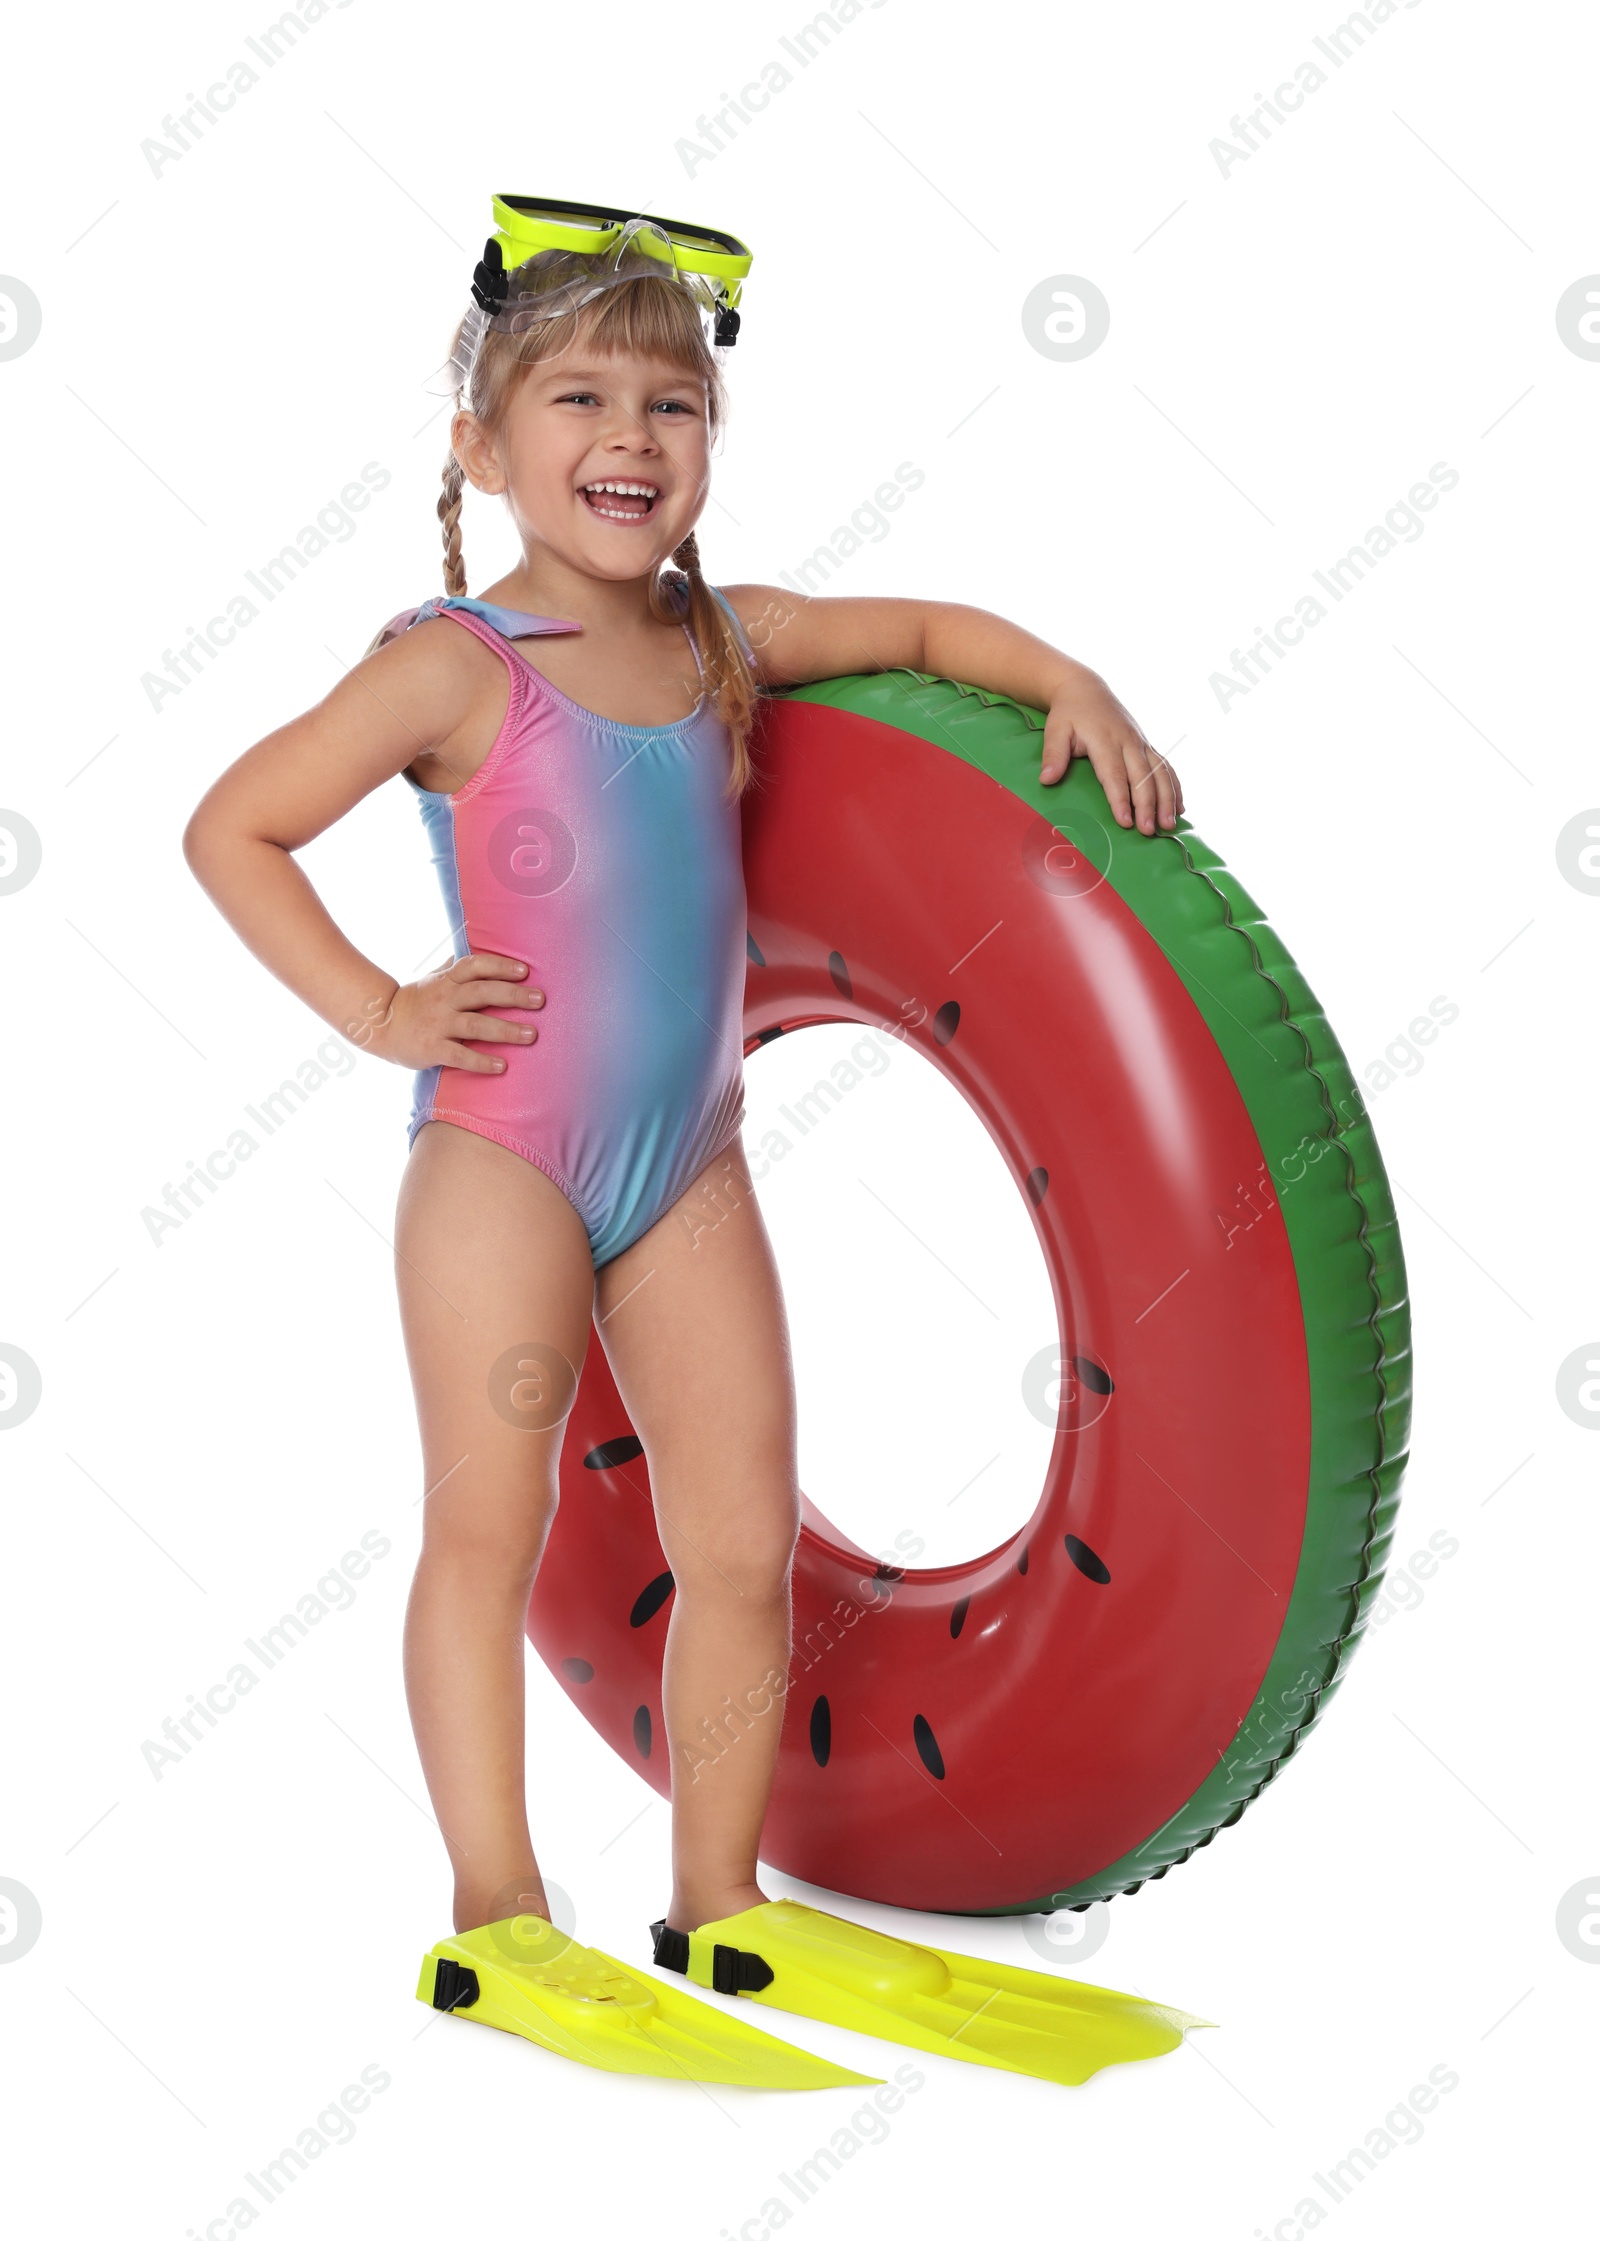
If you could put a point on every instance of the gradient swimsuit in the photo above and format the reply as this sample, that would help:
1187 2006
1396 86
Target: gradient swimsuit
606 857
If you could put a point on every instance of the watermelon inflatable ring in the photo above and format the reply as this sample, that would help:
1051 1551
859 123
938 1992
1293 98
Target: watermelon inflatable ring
1076 1711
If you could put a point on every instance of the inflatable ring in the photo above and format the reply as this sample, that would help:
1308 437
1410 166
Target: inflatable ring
1078 1710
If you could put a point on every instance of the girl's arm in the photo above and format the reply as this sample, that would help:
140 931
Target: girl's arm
411 698
797 638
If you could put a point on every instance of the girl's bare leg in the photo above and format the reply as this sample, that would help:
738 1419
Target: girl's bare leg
693 1322
496 1291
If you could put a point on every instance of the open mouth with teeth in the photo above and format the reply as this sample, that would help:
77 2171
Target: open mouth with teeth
620 501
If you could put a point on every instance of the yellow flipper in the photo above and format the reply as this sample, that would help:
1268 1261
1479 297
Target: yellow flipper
522 1975
791 1956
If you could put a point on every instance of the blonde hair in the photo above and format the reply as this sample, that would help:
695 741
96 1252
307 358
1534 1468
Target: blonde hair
655 314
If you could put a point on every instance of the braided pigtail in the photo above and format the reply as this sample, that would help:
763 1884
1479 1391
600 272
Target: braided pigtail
730 679
449 511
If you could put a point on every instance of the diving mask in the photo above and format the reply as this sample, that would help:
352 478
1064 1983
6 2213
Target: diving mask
524 278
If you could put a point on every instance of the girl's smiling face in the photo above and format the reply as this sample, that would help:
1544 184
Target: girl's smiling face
586 420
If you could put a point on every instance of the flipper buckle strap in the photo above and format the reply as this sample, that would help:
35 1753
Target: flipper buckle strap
671 1947
454 1986
732 1971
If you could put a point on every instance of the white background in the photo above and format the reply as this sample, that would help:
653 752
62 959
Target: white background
224 345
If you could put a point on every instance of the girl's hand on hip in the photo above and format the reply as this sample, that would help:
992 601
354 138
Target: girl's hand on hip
1085 717
435 1021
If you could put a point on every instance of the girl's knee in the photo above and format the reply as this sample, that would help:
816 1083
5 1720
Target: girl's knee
742 1552
493 1538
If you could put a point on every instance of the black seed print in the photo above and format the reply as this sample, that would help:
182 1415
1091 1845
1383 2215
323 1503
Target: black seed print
958 1616
946 1020
651 1599
1087 1562
927 1749
577 1669
641 1731
1022 1561
821 1731
610 1453
1037 1184
839 974
769 1034
1092 1375
751 950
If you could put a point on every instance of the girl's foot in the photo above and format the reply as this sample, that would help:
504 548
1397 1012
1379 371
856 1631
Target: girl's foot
475 1908
693 1905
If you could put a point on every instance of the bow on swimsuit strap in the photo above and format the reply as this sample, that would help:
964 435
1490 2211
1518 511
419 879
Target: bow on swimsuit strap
509 621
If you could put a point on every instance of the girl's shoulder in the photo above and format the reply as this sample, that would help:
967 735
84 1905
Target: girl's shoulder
434 672
425 643
399 625
744 605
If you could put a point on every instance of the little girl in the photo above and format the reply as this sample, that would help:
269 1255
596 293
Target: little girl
578 739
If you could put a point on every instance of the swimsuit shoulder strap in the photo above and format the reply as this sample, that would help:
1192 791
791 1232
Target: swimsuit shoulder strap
738 629
508 622
493 625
